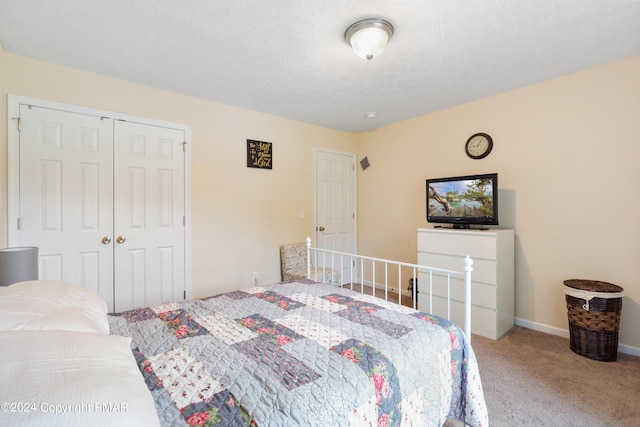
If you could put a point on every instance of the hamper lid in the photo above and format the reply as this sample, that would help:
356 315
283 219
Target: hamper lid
592 285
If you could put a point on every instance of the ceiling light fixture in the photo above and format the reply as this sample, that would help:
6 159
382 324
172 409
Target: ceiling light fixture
369 37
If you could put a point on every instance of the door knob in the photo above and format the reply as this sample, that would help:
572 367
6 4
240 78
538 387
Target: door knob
121 239
321 228
106 240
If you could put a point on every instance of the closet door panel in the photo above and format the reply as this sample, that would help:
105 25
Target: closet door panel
149 208
66 188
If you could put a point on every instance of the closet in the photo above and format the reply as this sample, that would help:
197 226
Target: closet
103 197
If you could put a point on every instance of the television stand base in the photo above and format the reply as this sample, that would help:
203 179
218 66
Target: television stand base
463 227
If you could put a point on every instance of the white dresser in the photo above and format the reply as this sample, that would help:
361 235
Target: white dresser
492 294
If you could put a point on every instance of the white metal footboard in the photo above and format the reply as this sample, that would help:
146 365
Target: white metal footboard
359 267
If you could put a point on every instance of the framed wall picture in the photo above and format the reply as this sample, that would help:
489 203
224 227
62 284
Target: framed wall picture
259 154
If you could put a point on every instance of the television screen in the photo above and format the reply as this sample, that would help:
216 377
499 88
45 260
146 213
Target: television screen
463 201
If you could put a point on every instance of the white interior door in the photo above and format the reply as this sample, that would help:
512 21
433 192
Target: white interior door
149 200
65 196
335 204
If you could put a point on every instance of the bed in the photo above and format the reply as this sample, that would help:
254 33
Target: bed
297 353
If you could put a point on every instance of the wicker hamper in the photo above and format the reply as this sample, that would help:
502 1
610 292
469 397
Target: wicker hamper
594 318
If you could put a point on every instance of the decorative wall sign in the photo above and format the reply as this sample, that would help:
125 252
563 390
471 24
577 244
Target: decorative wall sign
259 154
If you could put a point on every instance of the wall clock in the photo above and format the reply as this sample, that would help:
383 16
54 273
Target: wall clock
478 146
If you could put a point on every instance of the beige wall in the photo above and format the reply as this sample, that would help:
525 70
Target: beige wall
240 216
557 144
566 151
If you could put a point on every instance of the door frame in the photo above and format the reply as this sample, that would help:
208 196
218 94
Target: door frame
13 163
354 200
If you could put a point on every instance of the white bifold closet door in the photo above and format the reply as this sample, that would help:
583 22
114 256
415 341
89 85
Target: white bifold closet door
103 200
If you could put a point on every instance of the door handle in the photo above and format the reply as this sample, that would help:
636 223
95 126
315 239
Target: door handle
121 239
106 240
321 228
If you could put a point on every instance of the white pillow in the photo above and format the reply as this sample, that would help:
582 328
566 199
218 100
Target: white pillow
68 379
49 305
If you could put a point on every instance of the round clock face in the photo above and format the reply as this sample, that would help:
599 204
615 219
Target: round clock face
478 146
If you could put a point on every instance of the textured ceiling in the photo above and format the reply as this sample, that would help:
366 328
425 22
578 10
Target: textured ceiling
289 58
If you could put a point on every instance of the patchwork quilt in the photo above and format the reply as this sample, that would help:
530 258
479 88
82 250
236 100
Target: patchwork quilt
302 354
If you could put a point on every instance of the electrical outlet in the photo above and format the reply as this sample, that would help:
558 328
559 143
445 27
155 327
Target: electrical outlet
255 278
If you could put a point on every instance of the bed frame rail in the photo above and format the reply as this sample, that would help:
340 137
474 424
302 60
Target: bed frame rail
359 265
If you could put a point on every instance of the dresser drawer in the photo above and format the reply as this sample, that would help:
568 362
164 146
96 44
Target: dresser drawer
476 244
483 270
483 319
482 294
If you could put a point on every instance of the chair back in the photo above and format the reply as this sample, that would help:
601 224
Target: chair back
293 258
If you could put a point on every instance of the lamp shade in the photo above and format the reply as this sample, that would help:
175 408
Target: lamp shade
18 264
369 37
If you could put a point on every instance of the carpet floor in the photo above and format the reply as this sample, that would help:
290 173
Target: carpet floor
533 379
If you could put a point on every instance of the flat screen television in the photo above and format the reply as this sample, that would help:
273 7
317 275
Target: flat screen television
463 201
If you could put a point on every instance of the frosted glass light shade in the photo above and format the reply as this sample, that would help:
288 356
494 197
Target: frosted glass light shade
18 265
369 37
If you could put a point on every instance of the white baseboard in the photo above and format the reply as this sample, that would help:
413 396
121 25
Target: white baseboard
629 349
622 348
564 333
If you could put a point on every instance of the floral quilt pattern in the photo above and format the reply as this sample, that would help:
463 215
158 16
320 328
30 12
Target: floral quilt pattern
302 354
384 379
